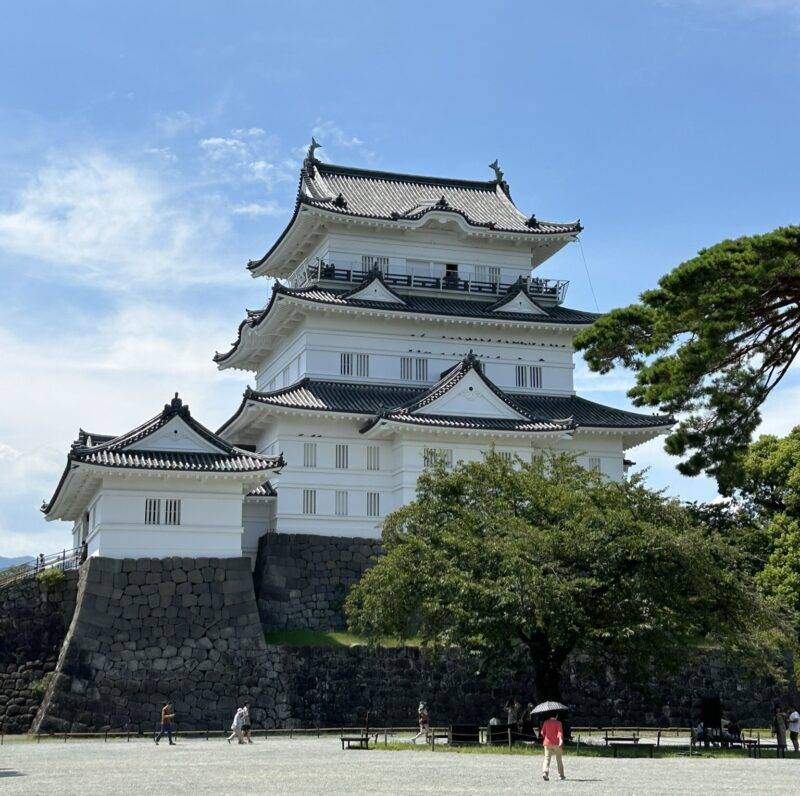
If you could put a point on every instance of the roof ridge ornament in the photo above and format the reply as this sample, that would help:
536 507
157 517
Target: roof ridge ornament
176 407
311 158
499 177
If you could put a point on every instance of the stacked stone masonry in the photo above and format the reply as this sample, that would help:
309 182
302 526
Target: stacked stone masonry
34 617
303 579
188 630
149 630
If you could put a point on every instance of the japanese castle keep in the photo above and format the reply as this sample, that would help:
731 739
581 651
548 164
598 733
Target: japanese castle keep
407 318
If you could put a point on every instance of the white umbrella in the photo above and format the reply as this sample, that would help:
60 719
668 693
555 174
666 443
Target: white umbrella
548 707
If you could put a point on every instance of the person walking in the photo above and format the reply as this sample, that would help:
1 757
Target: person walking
246 723
236 726
167 715
794 728
552 735
424 719
779 726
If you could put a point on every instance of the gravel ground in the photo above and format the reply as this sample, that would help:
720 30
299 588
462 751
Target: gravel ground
281 765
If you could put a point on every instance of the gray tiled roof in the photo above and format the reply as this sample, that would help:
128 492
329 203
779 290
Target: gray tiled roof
264 490
105 450
382 399
240 462
388 196
414 305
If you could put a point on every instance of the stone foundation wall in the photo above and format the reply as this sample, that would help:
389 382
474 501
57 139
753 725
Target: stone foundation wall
331 687
302 579
34 618
146 631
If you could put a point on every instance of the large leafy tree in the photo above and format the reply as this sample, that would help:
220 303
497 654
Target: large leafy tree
768 487
548 557
710 343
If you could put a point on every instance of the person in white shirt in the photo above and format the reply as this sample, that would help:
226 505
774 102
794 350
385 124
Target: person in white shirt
794 728
236 726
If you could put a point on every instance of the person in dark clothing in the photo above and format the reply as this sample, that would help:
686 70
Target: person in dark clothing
167 715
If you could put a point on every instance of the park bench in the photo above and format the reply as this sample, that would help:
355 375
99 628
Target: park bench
360 741
438 735
618 743
755 746
621 739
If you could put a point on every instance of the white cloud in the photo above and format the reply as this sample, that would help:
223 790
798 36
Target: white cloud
177 122
269 208
334 135
249 132
113 225
221 148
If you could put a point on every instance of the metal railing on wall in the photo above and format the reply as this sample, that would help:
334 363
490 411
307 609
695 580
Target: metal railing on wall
63 561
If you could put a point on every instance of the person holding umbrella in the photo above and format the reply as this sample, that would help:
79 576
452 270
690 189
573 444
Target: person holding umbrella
552 735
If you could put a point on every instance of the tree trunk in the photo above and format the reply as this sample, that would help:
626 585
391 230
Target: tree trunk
547 675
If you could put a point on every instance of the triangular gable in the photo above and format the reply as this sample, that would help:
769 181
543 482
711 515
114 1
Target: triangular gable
470 396
375 290
175 435
521 304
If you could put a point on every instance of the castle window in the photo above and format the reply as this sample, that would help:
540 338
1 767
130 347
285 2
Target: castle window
309 454
370 261
431 455
309 501
362 364
373 457
341 457
373 504
529 376
172 512
413 369
537 455
152 511
592 463
346 364
341 503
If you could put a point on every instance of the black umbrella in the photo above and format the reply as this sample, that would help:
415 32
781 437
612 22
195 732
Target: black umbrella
548 707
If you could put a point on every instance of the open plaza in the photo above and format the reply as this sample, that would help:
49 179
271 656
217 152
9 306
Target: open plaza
318 765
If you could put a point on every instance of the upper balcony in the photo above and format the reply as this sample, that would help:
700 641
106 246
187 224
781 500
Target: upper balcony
548 291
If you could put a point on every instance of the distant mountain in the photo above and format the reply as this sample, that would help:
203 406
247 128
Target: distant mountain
5 563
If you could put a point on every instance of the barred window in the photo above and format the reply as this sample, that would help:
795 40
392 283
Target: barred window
342 457
152 511
362 364
172 511
346 364
309 454
507 455
430 455
537 455
373 457
309 501
373 504
593 463
529 376
369 261
413 368
341 503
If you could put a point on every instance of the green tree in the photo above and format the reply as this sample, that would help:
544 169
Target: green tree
551 558
711 342
768 486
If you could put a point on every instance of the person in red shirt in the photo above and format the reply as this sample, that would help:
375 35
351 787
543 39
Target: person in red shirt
552 734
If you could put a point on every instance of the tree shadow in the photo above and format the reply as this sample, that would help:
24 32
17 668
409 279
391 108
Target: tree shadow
7 772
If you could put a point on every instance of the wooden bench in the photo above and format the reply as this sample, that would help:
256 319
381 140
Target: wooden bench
355 741
756 746
621 739
617 743
440 735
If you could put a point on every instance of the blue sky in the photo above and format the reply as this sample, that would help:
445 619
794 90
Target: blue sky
148 150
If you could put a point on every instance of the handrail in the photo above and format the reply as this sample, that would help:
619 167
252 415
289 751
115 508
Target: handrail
63 561
536 287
